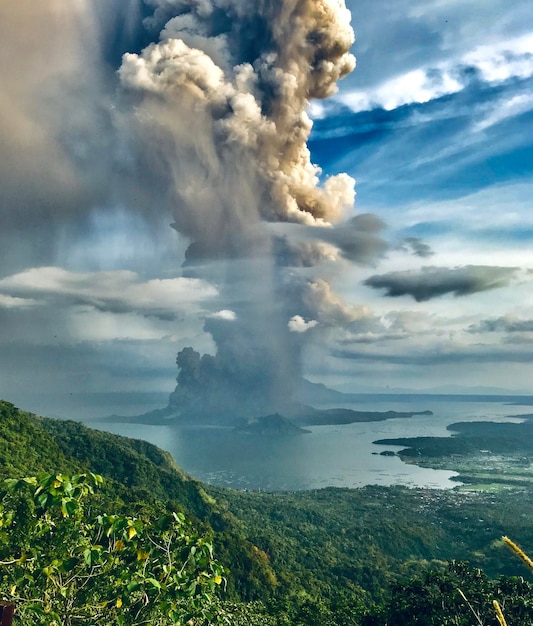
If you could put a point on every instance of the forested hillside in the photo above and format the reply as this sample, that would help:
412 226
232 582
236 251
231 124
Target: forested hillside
333 556
136 472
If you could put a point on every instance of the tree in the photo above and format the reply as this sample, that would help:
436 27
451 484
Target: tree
460 596
65 563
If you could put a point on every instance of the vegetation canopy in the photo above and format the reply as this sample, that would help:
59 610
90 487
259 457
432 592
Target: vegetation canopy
137 547
65 562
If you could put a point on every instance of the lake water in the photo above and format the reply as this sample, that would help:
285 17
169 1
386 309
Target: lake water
338 456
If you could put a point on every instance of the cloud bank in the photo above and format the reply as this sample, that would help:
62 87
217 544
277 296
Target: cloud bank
116 292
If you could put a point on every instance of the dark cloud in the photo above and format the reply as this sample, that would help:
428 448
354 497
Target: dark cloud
357 240
432 282
506 324
374 338
416 246
434 357
67 148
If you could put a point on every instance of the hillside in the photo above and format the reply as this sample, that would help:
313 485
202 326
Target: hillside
137 472
26 447
325 556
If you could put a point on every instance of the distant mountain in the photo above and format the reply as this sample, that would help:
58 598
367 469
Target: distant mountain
317 393
477 390
308 395
302 410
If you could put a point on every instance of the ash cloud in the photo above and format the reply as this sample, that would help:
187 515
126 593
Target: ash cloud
223 108
433 282
357 240
195 115
220 102
250 374
65 141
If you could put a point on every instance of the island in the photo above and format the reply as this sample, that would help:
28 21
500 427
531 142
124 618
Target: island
486 455
274 424
296 411
309 416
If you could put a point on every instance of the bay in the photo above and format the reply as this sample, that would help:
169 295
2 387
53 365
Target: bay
329 456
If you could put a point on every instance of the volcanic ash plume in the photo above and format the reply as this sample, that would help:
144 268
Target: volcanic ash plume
220 101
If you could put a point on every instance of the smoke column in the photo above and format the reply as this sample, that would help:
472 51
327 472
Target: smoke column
220 97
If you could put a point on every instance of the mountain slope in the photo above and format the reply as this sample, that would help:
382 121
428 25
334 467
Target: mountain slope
137 473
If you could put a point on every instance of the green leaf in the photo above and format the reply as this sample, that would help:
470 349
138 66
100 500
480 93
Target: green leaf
43 500
132 586
69 507
69 564
91 556
155 583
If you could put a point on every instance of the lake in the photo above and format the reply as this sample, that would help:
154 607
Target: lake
329 456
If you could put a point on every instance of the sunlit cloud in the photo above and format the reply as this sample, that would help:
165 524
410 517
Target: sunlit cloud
510 60
297 324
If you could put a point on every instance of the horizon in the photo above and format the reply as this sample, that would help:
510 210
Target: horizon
102 405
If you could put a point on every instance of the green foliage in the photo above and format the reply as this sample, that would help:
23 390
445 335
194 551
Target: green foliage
303 609
64 562
143 472
459 596
135 471
362 541
25 448
74 549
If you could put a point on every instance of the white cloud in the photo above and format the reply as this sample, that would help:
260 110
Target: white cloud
505 110
297 324
101 326
416 86
495 64
498 207
120 291
505 60
225 314
10 302
316 110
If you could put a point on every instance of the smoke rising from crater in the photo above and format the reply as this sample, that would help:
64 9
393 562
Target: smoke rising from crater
194 112
221 102
225 92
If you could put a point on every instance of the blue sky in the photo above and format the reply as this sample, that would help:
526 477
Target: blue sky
435 126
